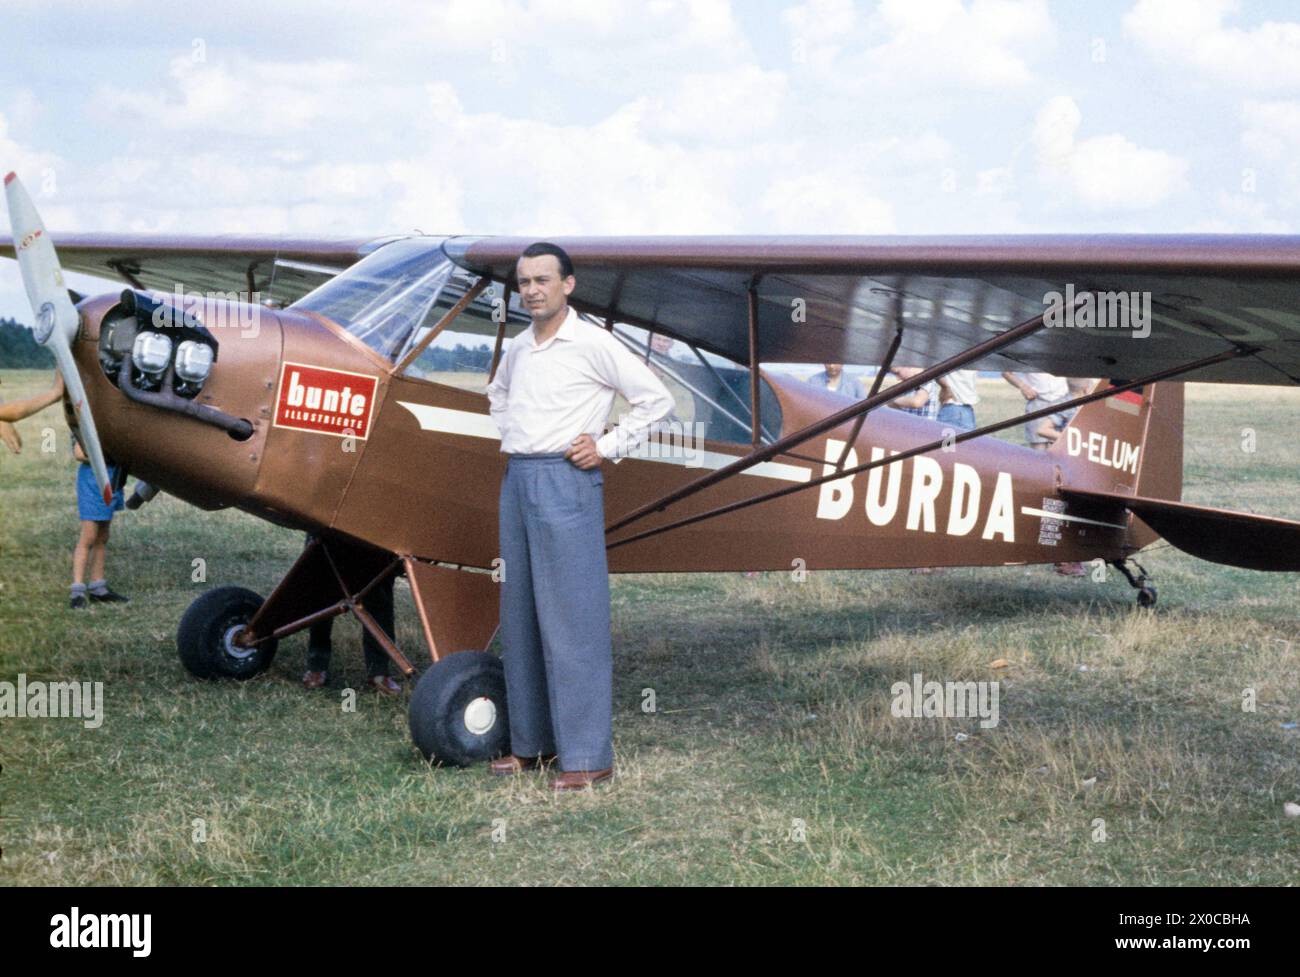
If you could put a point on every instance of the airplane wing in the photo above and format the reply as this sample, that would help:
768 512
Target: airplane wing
837 299
831 298
283 269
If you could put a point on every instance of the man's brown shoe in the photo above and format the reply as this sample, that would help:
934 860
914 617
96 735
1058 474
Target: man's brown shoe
314 680
511 764
580 779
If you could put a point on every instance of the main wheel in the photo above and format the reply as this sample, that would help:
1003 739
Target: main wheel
458 710
1147 596
206 636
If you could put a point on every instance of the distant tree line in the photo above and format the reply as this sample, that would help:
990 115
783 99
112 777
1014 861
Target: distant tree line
443 360
19 350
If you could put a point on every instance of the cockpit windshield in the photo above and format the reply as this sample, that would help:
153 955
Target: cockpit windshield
386 296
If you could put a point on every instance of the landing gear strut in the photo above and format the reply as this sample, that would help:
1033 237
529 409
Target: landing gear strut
1141 582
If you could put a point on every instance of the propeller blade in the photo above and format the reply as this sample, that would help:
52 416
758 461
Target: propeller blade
56 316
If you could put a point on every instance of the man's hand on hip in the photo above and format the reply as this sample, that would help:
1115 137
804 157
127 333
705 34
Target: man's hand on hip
583 453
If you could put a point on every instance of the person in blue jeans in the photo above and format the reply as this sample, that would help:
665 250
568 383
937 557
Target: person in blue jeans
957 399
92 544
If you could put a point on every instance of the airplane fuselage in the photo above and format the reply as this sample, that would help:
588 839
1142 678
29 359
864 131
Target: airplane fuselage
340 443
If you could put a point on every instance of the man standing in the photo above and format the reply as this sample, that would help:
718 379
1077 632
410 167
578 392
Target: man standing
550 400
834 379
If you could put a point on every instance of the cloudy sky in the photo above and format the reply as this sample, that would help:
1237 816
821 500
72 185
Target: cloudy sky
553 117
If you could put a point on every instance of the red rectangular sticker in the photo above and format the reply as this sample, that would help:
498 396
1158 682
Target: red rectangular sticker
1130 402
314 398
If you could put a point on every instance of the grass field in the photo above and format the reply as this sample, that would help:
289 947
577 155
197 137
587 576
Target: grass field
772 757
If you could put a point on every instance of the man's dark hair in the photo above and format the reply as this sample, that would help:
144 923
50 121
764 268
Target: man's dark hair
546 247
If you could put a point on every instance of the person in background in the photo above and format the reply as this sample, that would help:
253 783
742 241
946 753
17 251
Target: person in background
1041 390
923 401
92 545
684 401
19 409
1079 387
958 399
834 379
320 647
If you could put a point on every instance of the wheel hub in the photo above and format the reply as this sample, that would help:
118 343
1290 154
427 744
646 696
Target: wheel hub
480 715
235 650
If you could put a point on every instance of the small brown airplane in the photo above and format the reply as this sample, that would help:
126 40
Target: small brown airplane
337 387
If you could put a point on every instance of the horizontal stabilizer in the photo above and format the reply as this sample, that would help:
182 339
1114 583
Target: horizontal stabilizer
1236 539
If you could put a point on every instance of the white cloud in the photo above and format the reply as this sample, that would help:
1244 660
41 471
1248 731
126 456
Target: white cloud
1104 172
812 204
718 151
922 44
1271 129
37 169
605 42
1191 34
241 97
1241 213
1271 139
720 105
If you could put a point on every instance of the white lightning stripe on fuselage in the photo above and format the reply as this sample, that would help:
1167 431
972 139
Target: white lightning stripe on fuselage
473 425
1064 518
450 421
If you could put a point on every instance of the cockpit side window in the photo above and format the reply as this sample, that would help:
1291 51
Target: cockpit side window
461 354
711 393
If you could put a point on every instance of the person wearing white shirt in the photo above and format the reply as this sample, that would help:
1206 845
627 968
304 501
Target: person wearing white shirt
1041 390
550 399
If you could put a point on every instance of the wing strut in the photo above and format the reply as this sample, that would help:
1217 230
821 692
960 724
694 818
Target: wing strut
501 332
751 305
1230 354
470 295
875 389
780 446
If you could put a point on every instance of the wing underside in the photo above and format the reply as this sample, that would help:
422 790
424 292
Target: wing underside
839 300
835 299
279 269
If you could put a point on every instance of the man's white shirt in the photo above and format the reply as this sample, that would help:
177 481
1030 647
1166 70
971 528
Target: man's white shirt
545 396
1048 387
962 385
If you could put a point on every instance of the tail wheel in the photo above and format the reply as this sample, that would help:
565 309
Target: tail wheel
1147 596
458 710
207 636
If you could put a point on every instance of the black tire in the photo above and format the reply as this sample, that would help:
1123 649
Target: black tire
208 624
1147 596
448 723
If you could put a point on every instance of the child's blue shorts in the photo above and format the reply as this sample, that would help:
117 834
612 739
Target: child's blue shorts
90 504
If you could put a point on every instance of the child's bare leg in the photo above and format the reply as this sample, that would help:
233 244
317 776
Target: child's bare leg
85 542
99 589
80 554
100 551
